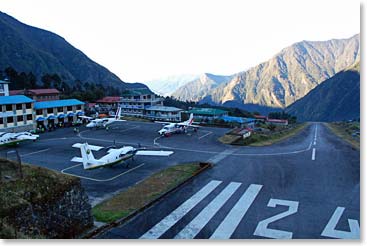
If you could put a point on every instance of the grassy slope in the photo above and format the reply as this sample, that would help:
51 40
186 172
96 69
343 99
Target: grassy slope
345 130
39 185
142 193
260 139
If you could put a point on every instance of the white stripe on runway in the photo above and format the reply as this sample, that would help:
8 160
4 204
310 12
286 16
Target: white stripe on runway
232 220
36 152
313 154
198 223
171 219
205 135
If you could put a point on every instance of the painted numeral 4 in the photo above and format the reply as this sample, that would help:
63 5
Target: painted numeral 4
330 230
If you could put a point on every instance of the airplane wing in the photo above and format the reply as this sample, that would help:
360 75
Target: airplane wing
77 159
91 147
163 122
154 153
187 125
86 117
26 136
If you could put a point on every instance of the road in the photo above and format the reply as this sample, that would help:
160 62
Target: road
305 187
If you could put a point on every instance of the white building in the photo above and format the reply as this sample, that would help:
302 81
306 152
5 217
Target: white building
16 113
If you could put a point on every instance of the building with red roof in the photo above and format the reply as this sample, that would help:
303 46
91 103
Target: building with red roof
38 95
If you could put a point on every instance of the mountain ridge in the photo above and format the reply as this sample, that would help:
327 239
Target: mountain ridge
287 76
336 99
32 49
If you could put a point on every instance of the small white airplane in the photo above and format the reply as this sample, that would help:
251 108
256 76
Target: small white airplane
113 157
181 127
104 122
9 138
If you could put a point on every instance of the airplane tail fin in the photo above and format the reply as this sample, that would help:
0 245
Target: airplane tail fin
87 159
118 113
191 119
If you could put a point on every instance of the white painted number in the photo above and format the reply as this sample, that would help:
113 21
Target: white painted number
330 230
262 228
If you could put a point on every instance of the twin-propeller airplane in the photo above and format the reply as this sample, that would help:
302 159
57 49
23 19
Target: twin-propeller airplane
9 138
170 128
104 122
113 157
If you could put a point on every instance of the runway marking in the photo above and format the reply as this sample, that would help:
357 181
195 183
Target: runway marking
198 223
171 219
262 227
316 132
314 142
313 154
220 156
155 140
330 230
36 152
205 135
99 180
233 219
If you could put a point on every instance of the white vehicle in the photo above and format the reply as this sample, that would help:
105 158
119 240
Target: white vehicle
104 122
113 157
170 128
9 138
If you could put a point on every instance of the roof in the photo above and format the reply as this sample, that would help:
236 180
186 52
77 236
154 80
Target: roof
4 82
34 91
137 92
163 109
277 120
207 111
16 92
57 103
260 117
109 100
14 99
44 91
237 119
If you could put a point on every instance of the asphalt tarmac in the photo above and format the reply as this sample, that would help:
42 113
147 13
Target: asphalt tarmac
305 187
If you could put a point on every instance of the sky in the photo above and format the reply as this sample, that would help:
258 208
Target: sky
141 40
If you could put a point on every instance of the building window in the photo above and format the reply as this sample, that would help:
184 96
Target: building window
28 105
60 109
29 117
10 119
1 120
50 110
69 108
19 118
9 107
19 106
39 112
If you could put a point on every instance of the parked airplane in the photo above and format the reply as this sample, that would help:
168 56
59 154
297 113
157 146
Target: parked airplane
181 127
113 157
9 138
104 122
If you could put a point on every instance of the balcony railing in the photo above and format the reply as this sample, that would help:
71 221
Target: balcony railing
141 100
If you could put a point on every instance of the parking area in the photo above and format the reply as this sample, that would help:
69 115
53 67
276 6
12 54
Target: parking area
54 150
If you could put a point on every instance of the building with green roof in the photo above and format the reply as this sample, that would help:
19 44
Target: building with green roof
207 113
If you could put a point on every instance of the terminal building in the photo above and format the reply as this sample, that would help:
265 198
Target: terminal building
16 113
163 113
135 102
49 114
208 113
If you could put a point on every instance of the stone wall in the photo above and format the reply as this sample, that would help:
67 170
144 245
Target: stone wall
65 217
